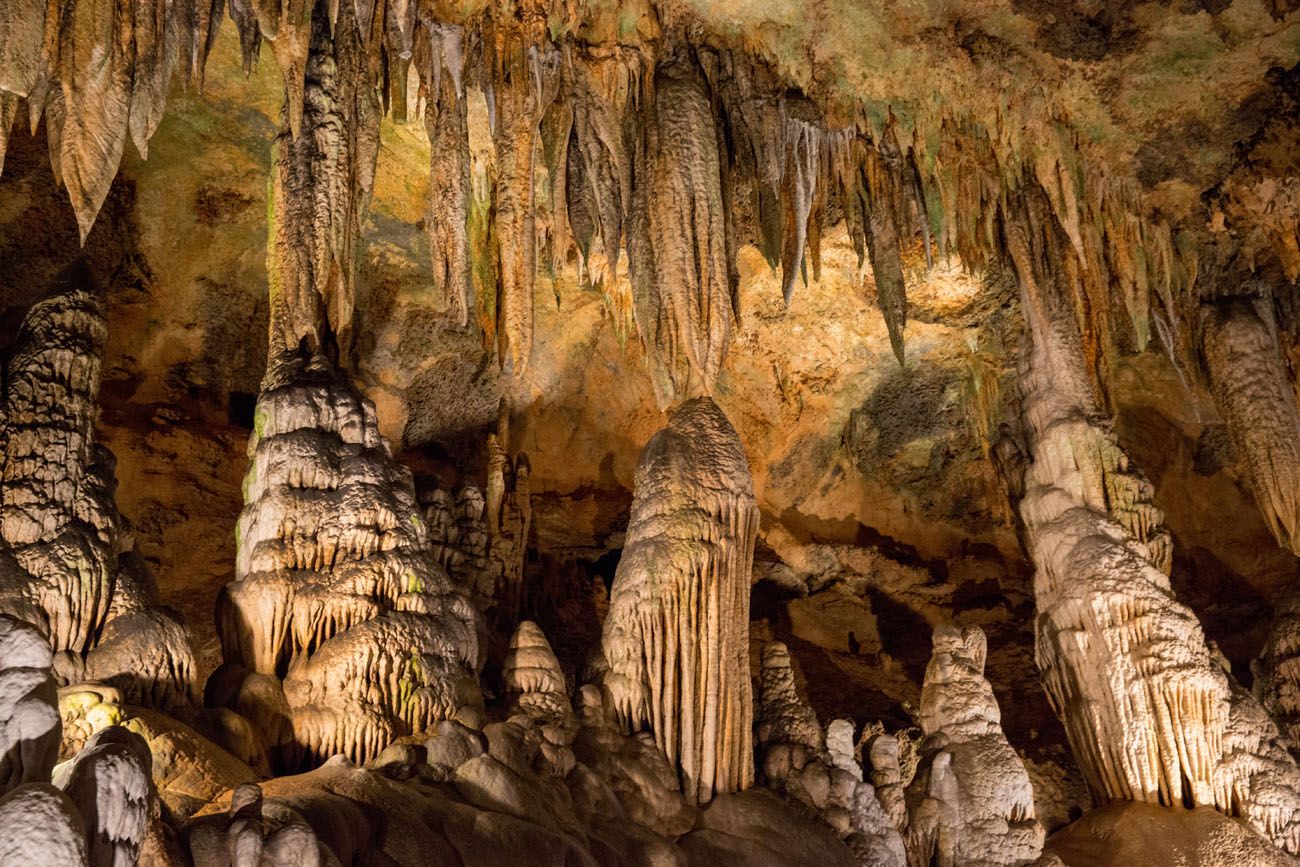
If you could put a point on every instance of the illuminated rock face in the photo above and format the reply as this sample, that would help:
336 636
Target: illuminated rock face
338 601
68 567
676 636
972 803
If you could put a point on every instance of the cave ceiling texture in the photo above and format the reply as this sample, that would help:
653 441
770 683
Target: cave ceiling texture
674 433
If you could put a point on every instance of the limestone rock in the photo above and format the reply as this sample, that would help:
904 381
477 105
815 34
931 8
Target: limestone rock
29 719
971 802
676 636
337 591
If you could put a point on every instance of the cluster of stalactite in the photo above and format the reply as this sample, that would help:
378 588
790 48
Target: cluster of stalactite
1150 714
339 615
676 638
66 558
610 133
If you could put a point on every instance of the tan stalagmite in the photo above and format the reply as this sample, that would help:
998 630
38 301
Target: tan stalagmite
1148 711
971 803
1254 395
66 563
676 636
787 733
337 592
1277 671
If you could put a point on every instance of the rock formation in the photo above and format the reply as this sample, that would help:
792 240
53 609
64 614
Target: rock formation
819 771
678 243
676 636
69 568
324 170
99 808
1107 192
971 802
1149 713
337 594
1257 402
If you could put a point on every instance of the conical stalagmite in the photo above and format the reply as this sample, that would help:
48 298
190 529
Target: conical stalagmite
971 803
676 636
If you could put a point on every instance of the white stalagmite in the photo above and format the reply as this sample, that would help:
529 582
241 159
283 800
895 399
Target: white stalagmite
29 716
677 634
337 589
971 803
1149 713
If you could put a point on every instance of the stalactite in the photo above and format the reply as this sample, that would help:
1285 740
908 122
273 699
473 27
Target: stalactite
290 27
971 802
321 187
97 96
1254 396
678 246
676 636
449 167
244 15
803 149
525 80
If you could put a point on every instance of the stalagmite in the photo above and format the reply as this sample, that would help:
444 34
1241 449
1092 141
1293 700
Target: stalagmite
73 575
145 650
321 185
676 637
819 770
29 718
1148 711
1277 671
677 244
337 591
971 803
1254 395
537 689
787 732
110 782
56 512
